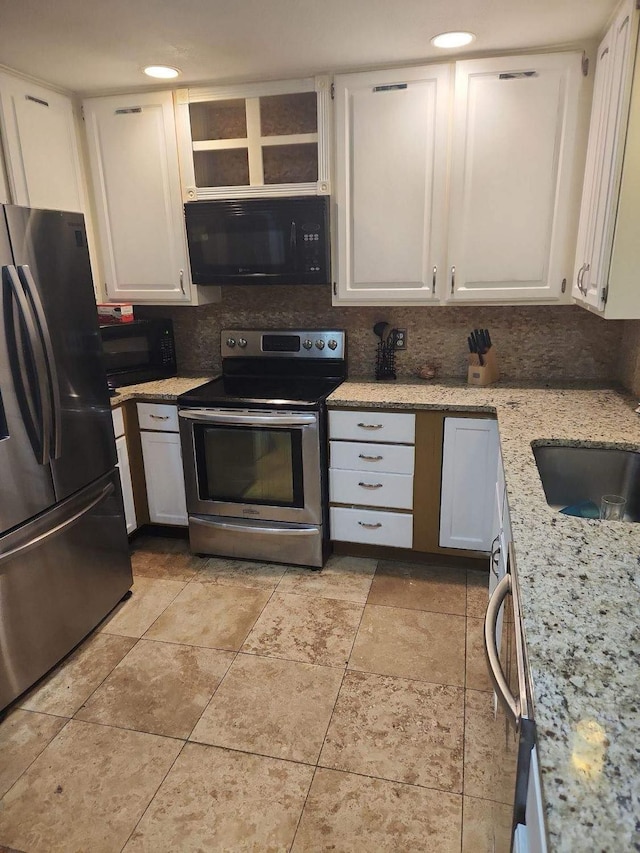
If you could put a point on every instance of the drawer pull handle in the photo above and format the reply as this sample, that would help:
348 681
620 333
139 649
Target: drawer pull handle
370 526
370 426
370 458
160 417
370 485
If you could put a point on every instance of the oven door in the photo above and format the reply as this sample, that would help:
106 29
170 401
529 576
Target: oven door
255 465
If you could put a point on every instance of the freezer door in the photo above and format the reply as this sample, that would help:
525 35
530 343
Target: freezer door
52 262
60 574
26 485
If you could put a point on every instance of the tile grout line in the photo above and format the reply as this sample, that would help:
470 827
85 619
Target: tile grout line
236 652
324 738
46 746
146 808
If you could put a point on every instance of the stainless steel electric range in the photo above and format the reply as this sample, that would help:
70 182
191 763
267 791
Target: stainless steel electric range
254 446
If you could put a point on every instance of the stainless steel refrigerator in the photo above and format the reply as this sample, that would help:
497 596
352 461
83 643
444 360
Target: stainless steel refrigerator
64 557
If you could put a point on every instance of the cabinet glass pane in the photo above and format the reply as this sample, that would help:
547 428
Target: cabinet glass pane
281 115
228 167
218 120
290 164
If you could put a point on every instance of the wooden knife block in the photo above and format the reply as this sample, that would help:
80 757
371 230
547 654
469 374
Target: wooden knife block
485 374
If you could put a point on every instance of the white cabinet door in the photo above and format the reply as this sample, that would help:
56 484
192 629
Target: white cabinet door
391 162
127 485
40 146
469 465
134 168
165 480
516 172
605 274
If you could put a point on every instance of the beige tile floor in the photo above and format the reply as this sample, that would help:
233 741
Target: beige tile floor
230 706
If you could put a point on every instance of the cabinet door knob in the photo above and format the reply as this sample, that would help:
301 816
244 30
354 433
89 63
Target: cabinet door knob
370 458
182 282
370 526
370 485
370 426
433 281
453 279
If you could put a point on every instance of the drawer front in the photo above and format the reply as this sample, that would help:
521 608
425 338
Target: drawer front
118 422
371 527
371 489
372 425
159 417
362 456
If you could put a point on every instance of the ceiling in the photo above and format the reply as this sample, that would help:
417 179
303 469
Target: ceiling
90 47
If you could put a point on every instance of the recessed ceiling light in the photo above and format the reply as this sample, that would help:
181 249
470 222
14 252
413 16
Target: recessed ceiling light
458 39
164 72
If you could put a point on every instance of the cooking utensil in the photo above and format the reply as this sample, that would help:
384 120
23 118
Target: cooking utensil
382 330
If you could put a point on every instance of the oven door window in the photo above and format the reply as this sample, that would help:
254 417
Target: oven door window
249 465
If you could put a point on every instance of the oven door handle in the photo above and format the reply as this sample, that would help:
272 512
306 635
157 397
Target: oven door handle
209 417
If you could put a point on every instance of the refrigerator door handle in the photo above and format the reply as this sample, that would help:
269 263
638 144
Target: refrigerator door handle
29 284
512 705
39 438
30 541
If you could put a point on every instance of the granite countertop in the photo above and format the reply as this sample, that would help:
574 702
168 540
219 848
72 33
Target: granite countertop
579 582
159 389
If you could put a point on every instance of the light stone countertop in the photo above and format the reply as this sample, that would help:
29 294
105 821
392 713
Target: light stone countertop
579 582
159 389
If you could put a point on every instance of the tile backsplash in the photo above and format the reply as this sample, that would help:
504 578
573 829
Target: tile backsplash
539 343
629 357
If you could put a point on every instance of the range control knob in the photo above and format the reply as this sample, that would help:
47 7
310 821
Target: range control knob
320 344
231 342
333 344
242 342
307 344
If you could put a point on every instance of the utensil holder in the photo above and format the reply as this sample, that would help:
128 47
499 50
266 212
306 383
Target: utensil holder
386 360
483 374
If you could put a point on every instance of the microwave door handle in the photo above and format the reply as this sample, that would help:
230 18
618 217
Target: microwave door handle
33 402
29 284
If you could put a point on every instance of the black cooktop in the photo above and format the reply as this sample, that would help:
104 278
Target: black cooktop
260 391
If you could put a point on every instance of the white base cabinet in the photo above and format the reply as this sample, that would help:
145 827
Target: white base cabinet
467 500
40 146
162 459
127 485
125 470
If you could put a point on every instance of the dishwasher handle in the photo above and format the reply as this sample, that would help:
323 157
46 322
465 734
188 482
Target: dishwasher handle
510 702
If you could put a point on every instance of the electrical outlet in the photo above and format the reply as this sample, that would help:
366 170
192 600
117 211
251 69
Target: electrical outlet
400 338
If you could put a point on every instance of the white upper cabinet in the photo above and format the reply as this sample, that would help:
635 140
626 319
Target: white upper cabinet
391 163
481 208
514 178
40 146
265 139
136 181
608 251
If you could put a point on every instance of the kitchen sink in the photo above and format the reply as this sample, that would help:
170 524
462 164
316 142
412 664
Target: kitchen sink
574 476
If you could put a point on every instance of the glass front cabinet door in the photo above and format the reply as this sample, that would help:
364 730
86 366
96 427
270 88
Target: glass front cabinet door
261 140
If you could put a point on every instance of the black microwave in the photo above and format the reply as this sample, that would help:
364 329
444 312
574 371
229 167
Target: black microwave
138 351
259 241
